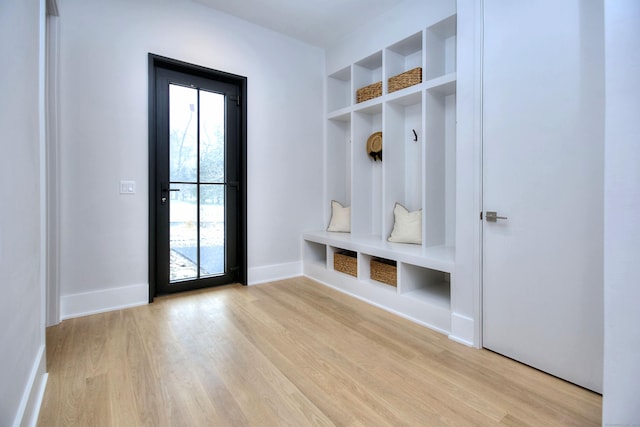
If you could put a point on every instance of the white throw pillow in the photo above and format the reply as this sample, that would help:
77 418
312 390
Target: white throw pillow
407 227
340 218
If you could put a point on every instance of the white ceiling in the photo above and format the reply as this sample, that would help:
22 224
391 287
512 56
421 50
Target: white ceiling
318 22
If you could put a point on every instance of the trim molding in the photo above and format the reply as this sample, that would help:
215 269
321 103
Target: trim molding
462 330
52 169
100 301
29 408
270 273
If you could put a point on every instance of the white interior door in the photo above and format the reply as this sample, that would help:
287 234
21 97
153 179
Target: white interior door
543 130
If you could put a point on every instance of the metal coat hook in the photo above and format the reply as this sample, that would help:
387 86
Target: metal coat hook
415 135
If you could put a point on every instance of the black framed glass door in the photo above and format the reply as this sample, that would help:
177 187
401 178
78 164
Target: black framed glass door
197 188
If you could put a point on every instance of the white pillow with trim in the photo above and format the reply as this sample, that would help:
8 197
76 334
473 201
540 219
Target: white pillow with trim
407 227
340 218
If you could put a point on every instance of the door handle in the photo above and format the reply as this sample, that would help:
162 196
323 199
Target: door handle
163 193
493 216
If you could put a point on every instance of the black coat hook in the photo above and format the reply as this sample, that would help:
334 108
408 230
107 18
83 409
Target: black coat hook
415 135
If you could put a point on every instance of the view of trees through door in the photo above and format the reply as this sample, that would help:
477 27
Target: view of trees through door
196 147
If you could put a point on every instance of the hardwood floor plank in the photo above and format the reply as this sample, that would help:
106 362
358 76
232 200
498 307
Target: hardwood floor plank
288 353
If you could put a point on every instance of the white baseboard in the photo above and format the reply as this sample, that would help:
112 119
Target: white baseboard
270 273
462 328
34 392
77 305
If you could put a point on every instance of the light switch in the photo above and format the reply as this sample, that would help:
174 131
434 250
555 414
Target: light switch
127 187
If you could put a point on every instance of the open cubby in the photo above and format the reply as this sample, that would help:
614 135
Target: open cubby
344 261
425 284
441 48
339 89
404 55
384 271
338 174
367 71
367 175
440 147
402 158
315 253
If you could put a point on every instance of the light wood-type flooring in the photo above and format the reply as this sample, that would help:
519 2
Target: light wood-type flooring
288 353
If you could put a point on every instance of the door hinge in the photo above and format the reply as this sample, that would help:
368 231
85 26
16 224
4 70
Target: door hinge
236 99
480 215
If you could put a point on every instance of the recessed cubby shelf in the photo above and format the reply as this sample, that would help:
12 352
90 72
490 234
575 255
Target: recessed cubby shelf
403 155
418 170
404 55
367 71
366 197
339 89
441 48
315 253
338 149
426 284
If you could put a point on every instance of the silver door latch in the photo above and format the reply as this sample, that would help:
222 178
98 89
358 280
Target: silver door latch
493 216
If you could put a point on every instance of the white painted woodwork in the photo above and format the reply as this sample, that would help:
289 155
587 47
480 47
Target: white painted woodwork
419 174
543 118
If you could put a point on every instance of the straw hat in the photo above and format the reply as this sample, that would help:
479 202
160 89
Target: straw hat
374 146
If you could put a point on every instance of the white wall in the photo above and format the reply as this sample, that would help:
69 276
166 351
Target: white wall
22 358
103 134
621 401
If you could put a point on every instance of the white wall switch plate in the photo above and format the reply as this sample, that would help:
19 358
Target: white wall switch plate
127 187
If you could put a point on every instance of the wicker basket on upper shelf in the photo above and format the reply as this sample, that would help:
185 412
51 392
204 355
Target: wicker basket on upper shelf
406 79
369 92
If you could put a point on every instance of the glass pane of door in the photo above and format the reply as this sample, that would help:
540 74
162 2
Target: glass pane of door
196 183
183 232
183 134
212 137
212 229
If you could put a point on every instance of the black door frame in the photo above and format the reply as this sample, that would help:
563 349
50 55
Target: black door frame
159 62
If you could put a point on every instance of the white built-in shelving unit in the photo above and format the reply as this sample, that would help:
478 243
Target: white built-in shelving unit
418 174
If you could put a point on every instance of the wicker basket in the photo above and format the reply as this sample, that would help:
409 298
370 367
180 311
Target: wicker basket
406 79
346 262
369 92
384 270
